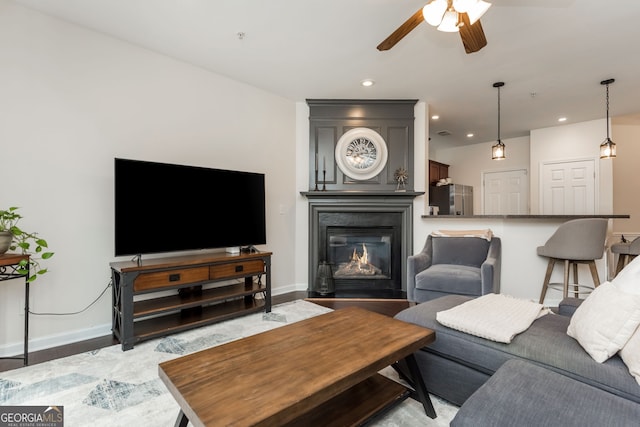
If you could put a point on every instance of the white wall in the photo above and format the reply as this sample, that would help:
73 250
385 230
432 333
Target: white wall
72 100
626 134
579 141
467 164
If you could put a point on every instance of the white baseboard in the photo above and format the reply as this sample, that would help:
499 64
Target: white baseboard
296 287
35 344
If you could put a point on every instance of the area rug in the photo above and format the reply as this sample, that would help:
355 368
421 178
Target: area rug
111 387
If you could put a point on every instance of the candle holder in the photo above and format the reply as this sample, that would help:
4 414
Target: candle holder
316 187
324 180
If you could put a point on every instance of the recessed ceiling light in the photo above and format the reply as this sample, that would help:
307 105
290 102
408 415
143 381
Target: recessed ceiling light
469 135
562 119
435 117
367 82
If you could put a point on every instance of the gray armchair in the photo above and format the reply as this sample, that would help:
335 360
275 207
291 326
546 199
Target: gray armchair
454 265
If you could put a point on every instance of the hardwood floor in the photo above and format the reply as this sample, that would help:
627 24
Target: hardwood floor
46 355
388 307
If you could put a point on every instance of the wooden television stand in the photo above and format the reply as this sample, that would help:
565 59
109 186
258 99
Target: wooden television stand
187 294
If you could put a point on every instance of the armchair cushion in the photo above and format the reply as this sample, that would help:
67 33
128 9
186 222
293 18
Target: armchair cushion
450 278
470 251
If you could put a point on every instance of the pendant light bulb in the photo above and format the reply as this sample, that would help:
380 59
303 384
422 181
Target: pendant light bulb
497 151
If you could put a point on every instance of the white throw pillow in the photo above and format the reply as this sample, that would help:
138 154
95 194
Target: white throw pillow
630 355
628 280
605 321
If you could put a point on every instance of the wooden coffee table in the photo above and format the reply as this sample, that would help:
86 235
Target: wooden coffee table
319 371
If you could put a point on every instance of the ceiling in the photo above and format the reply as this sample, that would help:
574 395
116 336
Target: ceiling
551 54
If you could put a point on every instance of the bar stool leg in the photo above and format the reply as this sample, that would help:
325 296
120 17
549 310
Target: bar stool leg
594 274
576 288
622 261
547 277
565 288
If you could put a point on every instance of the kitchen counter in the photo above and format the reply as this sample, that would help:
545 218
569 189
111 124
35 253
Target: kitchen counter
561 217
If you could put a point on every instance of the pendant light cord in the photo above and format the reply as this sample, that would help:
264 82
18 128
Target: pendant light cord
498 85
499 113
607 110
606 83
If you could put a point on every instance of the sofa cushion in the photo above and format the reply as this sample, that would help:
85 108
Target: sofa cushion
605 321
630 355
470 251
523 394
450 278
545 343
628 280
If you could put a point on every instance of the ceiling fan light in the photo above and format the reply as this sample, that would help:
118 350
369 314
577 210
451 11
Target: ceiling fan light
477 10
463 6
497 151
434 11
449 22
607 149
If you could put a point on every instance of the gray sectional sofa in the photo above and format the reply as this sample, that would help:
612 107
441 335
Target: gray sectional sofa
457 364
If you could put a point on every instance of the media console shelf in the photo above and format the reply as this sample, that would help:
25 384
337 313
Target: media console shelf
183 300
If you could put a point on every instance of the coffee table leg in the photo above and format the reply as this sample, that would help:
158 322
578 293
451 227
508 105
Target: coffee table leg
182 420
417 383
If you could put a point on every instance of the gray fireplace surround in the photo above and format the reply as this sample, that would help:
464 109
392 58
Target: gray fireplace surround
388 214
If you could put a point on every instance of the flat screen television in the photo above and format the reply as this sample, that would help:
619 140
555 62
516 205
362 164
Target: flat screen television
162 207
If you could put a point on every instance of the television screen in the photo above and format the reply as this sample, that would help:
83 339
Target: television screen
162 207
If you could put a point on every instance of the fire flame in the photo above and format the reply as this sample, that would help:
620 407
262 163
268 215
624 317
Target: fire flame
360 260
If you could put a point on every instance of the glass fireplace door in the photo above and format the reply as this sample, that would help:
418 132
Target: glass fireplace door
359 254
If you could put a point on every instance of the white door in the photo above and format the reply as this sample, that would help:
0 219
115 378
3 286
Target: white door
506 192
568 188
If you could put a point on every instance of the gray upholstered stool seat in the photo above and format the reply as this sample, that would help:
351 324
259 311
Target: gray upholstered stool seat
523 394
626 251
579 241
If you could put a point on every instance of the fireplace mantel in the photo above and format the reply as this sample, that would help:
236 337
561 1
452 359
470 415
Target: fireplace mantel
359 194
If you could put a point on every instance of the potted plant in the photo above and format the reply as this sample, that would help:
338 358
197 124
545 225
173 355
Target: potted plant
13 238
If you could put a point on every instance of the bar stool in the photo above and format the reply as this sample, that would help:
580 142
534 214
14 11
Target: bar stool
626 251
578 241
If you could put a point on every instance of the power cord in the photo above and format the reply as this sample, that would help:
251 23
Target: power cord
75 312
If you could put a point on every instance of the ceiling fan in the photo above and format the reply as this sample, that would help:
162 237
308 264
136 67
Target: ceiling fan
461 16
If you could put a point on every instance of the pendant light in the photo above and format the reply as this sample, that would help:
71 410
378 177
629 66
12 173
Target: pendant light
497 150
607 148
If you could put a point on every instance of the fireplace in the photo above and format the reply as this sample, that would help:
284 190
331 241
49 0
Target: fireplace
365 239
360 253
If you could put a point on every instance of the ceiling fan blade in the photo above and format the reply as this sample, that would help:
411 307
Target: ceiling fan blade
402 31
472 36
